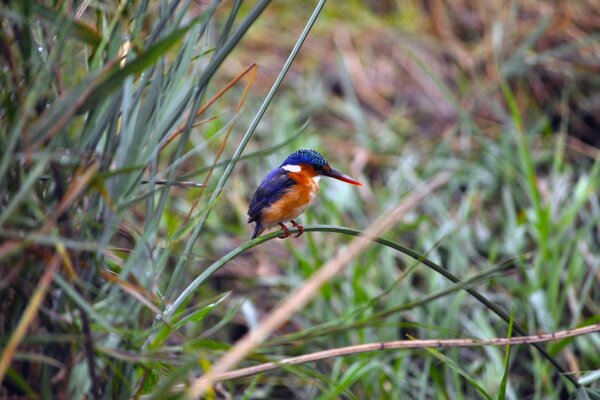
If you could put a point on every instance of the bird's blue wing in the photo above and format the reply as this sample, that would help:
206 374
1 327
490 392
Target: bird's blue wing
270 190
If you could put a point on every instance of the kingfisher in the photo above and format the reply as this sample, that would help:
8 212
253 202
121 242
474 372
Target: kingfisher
287 191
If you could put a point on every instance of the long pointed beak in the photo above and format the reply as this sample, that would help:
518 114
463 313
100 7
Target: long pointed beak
339 176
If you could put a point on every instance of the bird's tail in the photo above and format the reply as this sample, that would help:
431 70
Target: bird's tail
258 230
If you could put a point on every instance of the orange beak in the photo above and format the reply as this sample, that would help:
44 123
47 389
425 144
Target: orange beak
341 177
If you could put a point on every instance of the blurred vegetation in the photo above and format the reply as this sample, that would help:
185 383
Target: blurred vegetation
112 114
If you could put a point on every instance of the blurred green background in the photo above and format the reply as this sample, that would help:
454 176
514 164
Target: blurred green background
111 111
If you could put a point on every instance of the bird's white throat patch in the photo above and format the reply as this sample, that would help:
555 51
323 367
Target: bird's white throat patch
292 168
317 178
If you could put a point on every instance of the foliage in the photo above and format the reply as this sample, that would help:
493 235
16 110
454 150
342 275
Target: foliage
119 278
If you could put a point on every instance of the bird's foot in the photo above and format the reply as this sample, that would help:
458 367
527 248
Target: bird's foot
300 229
285 230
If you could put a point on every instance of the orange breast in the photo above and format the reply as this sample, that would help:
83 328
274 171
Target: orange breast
296 199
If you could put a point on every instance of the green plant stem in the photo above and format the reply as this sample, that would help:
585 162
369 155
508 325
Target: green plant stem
245 139
210 70
192 287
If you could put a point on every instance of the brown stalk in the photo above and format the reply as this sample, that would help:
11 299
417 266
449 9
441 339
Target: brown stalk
252 68
28 316
210 102
405 344
135 290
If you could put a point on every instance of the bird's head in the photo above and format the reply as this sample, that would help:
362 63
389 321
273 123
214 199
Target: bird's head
312 161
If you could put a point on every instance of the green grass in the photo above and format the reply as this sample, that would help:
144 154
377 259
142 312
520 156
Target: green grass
111 289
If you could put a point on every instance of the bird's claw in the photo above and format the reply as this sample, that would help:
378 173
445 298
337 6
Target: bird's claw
285 230
300 229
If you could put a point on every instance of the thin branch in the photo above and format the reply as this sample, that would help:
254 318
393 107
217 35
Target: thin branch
405 344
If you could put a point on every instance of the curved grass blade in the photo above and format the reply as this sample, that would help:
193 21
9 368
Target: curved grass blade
192 287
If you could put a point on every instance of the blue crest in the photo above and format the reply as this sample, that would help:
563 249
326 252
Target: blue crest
306 156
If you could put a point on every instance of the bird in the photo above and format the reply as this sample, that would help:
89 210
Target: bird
288 190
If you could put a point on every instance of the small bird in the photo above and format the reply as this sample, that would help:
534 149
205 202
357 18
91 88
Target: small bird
288 191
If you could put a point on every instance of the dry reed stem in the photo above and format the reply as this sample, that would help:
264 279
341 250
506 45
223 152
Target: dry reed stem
28 315
406 344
